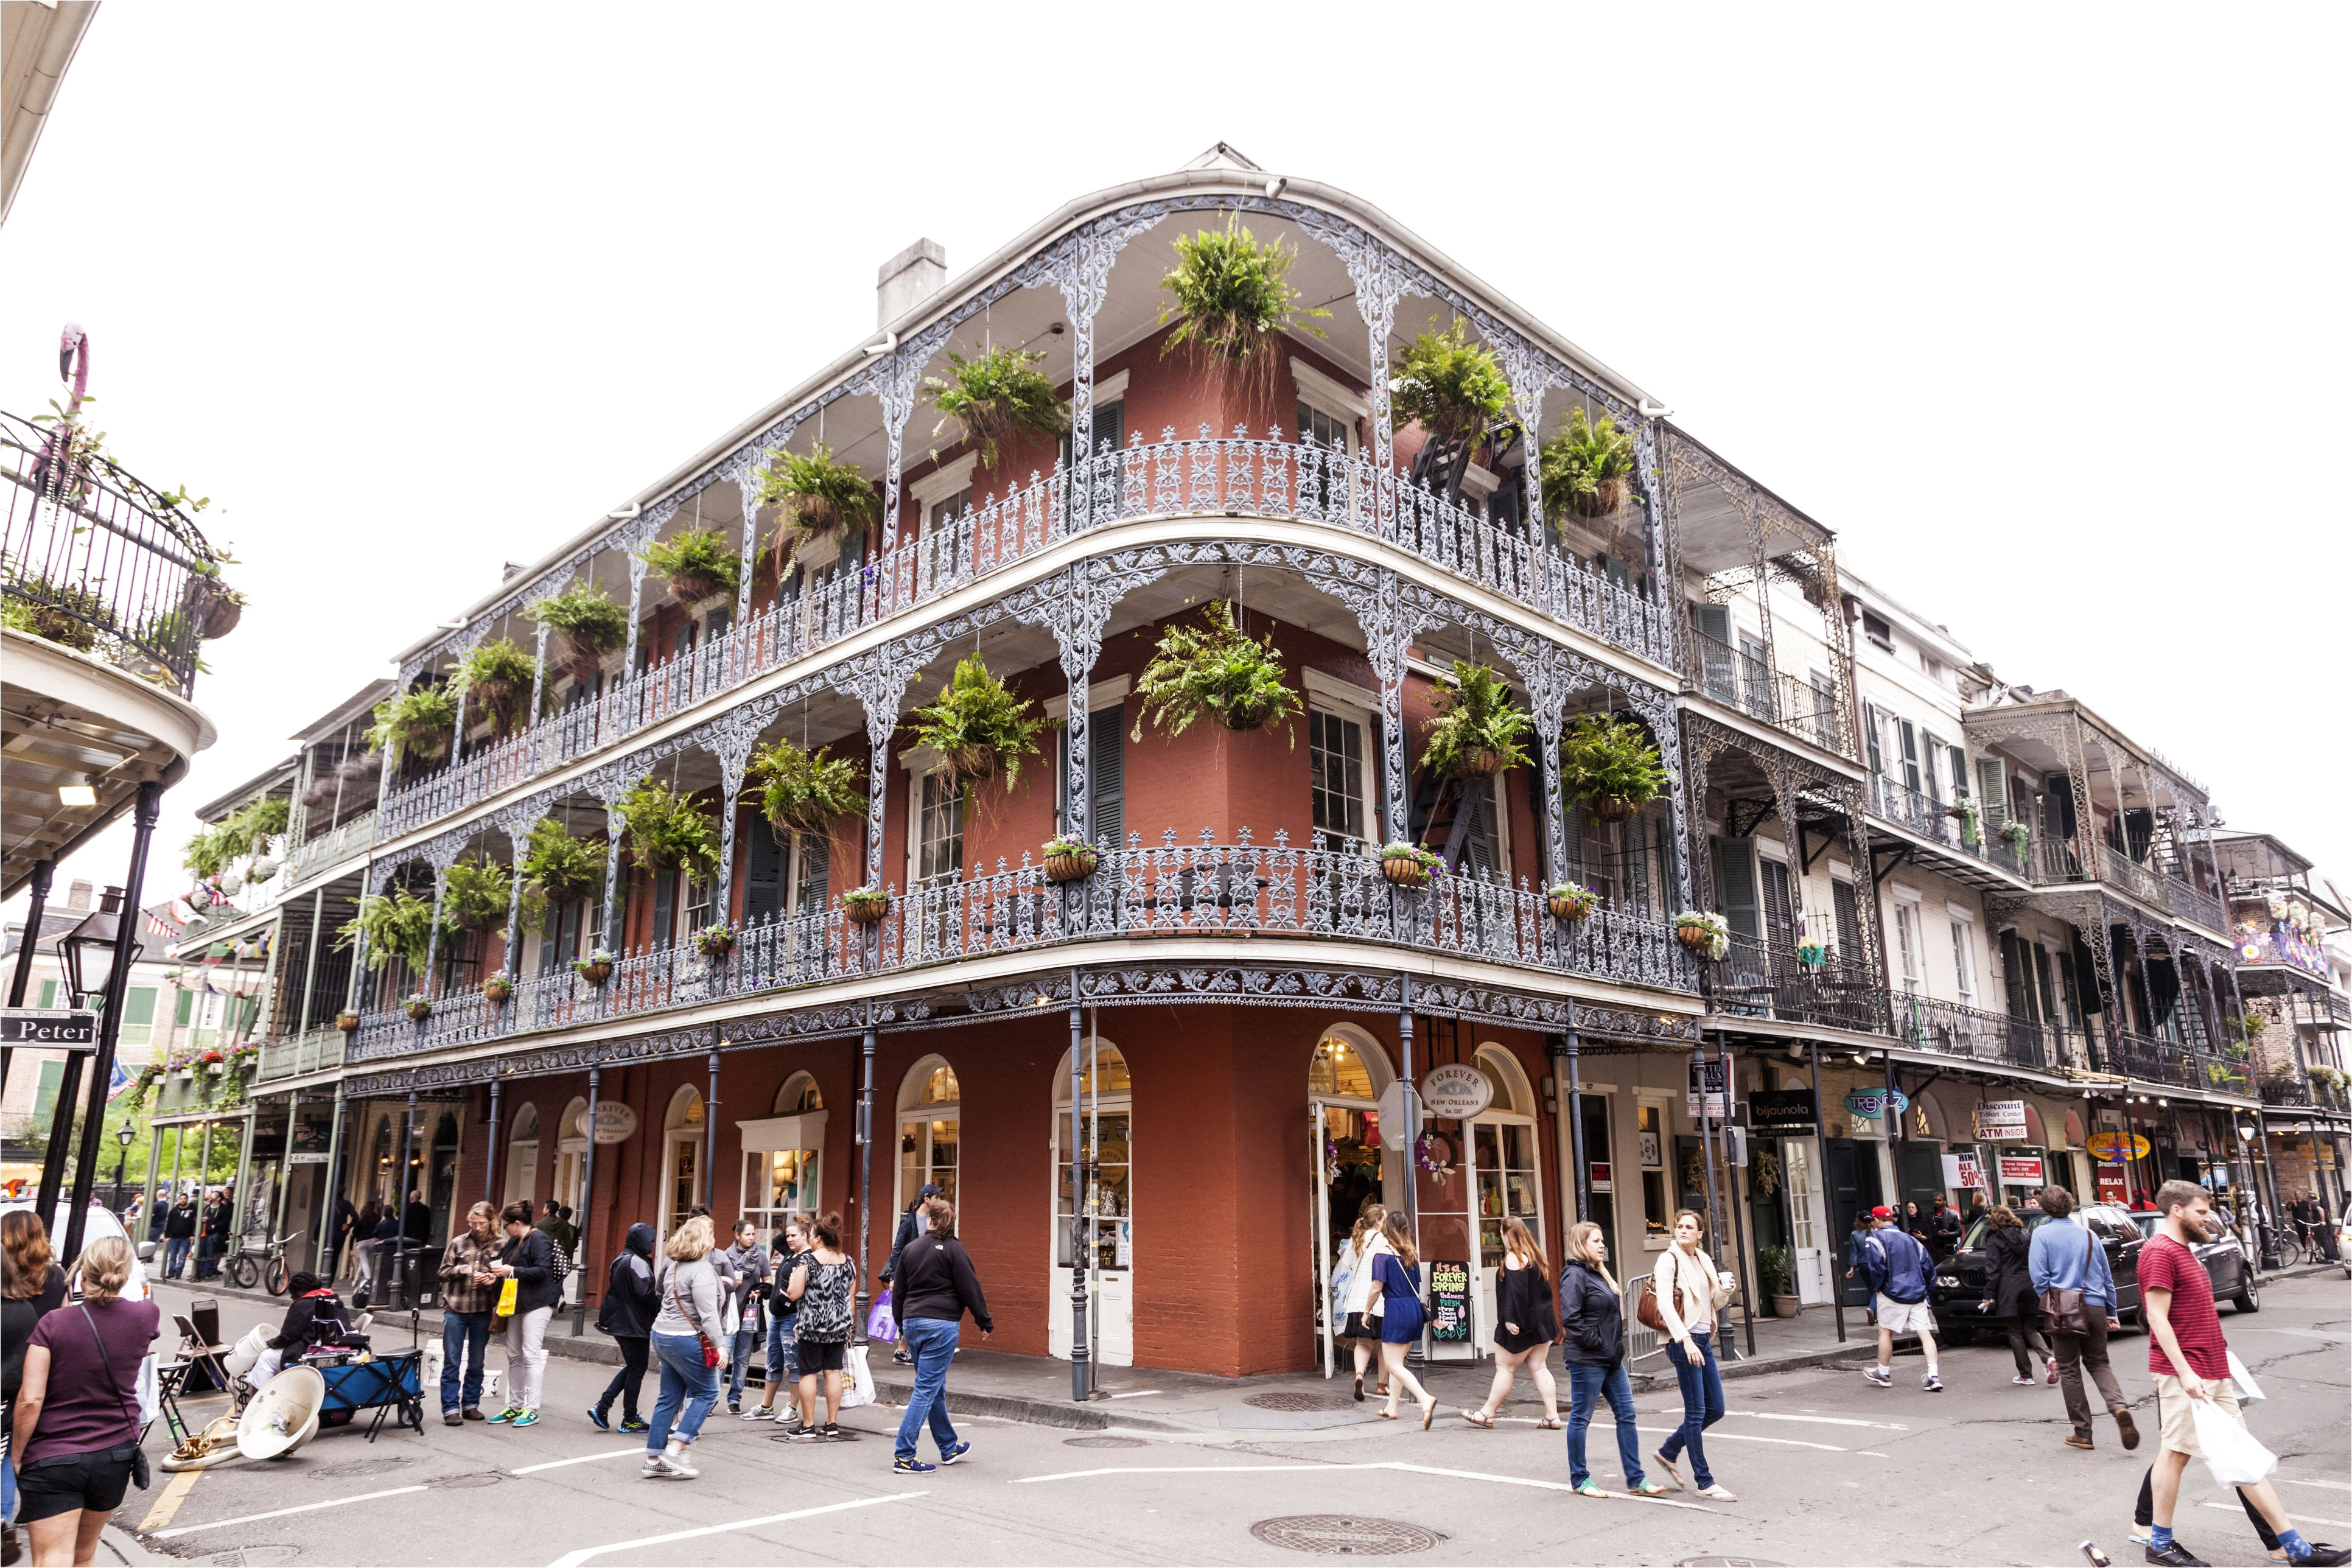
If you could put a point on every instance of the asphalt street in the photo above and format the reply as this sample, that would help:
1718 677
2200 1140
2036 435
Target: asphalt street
1828 1469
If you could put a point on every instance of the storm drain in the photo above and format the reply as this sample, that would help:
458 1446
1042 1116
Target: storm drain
1344 1536
1103 1443
466 1481
1281 1400
257 1556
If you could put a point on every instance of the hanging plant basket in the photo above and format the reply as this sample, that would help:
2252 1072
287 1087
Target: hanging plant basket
580 657
1613 808
596 968
418 1007
978 728
347 1021
1585 464
498 988
223 611
1570 903
715 942
1707 935
972 765
1067 861
866 906
1218 669
1407 864
1611 764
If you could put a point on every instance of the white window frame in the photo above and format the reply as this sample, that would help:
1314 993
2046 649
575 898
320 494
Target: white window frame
1964 955
920 763
940 484
1348 700
1665 1167
1335 399
1906 942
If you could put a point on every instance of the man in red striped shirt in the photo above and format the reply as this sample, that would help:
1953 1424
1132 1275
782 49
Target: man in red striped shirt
2190 1361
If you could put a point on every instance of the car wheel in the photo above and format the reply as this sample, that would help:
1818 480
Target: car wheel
2246 1300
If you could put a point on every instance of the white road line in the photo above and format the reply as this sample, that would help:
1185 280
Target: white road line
1176 1470
1398 1464
2331 1486
573 1559
582 1459
282 1512
1815 1420
2298 1517
1713 1436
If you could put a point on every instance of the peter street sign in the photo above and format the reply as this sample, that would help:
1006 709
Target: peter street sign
56 1027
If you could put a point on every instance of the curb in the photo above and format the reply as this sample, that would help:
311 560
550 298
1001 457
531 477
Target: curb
1092 1417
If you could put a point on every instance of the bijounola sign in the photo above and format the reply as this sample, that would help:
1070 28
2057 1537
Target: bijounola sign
1457 1092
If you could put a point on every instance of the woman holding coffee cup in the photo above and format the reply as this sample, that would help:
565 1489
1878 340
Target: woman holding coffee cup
1690 1289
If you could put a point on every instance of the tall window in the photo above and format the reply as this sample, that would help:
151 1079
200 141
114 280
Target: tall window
1106 1124
1906 937
1328 431
1910 754
780 1182
939 831
1964 960
1649 1132
930 1115
1335 768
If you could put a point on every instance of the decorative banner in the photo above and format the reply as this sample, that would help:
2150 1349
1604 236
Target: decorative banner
1457 1092
2001 1120
2114 1186
1779 1111
615 1122
1871 1102
1713 1074
2117 1147
2017 1169
1449 1300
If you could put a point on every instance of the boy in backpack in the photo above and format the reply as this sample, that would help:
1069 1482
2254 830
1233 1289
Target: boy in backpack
1899 1270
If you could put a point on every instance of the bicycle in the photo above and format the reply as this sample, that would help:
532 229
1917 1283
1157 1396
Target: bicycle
267 1268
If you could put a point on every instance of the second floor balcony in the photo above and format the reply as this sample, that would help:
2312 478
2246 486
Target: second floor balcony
1964 842
1807 710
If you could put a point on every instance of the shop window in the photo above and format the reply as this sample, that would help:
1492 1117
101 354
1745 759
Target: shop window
929 1125
1335 768
1338 1069
780 1183
1503 1145
1105 1125
1650 1133
682 1157
522 1154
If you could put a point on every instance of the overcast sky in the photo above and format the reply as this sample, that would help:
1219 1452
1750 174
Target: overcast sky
2044 314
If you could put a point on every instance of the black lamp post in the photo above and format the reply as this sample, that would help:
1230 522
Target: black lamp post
86 953
122 1136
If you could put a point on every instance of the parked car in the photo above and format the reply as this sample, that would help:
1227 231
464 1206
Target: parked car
2225 1261
1959 1292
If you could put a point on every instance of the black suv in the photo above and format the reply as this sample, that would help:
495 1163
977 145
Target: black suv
1959 1291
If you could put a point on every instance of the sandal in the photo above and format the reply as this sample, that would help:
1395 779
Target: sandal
1548 1424
1388 1415
1428 1415
1359 1388
1484 1422
1592 1488
1647 1489
1673 1475
1719 1493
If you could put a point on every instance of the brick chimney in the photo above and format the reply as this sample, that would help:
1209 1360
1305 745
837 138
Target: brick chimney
78 896
907 279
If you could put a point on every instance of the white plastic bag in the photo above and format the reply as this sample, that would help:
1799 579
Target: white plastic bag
2248 1389
2231 1452
857 1379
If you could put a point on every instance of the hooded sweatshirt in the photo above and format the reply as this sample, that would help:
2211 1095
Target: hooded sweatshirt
627 1312
746 1271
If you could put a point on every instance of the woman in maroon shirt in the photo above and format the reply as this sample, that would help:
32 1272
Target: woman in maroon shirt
75 1429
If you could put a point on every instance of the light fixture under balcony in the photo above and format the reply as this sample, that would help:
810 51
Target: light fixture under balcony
78 791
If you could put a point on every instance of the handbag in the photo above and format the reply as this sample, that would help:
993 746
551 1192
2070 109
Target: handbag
2062 1310
1646 1310
139 1473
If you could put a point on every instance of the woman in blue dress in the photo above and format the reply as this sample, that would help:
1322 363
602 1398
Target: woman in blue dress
1396 1299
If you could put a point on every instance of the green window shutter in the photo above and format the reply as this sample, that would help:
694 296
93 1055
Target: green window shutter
1910 754
1870 737
139 1015
816 873
665 909
1992 796
763 872
48 993
44 1097
1735 878
1107 775
185 1013
1780 908
1849 922
2014 976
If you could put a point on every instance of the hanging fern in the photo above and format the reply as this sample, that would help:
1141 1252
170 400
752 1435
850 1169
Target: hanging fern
1215 669
816 498
994 395
564 869
804 792
417 723
474 895
698 563
1476 732
1452 387
241 834
1230 298
495 680
396 925
591 625
1585 466
979 727
668 831
1611 765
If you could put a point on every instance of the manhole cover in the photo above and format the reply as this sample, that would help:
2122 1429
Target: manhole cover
1102 1443
467 1482
1340 1536
1279 1401
256 1556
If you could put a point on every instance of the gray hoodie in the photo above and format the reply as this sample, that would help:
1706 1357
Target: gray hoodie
745 1268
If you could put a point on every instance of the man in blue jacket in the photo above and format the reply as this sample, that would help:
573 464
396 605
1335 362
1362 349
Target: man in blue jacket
1899 1270
2066 1255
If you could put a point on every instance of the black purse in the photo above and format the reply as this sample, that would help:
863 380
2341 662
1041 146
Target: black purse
139 1474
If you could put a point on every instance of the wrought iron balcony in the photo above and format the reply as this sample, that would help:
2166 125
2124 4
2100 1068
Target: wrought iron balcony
1210 475
1760 981
1906 807
95 561
2287 1088
1138 894
2159 1060
1738 679
1962 1031
2060 860
299 1053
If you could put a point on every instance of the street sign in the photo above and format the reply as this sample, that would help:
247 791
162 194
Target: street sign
66 1028
307 1157
1709 1076
2001 1120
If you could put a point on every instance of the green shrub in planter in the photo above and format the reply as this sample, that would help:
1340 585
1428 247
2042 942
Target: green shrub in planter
475 893
1452 387
668 831
564 869
1585 467
1216 669
978 727
1476 734
417 724
994 395
398 923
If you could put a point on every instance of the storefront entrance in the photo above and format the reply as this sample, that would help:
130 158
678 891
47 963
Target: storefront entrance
1104 1230
1344 1082
1852 1181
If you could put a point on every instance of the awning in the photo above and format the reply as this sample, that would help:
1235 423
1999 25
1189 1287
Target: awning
806 1131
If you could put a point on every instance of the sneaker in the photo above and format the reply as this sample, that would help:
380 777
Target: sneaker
633 1424
2023 1383
2176 1556
833 1434
1877 1379
910 1467
655 1469
675 1461
2050 1365
503 1417
759 1413
471 1413
2326 1556
804 1434
1931 1383
902 1358
956 1454
599 1419
525 1418
735 1408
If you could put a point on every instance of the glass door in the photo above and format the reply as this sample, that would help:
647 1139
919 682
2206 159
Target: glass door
1503 1156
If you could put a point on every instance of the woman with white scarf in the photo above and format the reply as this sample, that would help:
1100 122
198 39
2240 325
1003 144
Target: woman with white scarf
1690 1291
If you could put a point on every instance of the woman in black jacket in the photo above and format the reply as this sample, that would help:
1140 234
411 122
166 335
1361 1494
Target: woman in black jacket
1524 1327
1592 1325
936 1285
529 1259
2010 1295
627 1314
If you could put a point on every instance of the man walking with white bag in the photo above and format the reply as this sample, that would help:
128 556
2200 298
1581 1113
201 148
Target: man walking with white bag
2189 1361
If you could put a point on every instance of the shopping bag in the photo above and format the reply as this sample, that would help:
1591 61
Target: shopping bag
2248 1389
2231 1452
507 1292
879 1323
857 1379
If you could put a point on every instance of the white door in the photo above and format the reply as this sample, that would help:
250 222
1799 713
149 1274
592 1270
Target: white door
1814 1282
1503 1149
1094 1240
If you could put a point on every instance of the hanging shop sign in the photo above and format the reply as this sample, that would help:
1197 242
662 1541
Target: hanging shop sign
2115 1187
1392 1127
1873 1102
1709 1077
2001 1120
1597 1177
1966 1172
1781 1111
307 1157
2017 1168
1457 1092
2117 1147
615 1122
1449 1300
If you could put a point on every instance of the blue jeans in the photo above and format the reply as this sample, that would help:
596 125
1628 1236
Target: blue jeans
783 1367
469 1333
932 1344
1587 1386
175 1255
1702 1388
205 1247
738 1362
688 1390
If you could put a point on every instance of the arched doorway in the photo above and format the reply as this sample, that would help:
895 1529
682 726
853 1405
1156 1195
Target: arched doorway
931 1118
1504 1165
1345 1078
1102 1243
784 1157
522 1157
681 1157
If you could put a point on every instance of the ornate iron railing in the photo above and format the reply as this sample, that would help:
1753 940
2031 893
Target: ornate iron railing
2059 861
1240 891
1930 818
1209 476
1962 1031
2159 1060
1737 678
292 1056
93 559
1758 980
2191 901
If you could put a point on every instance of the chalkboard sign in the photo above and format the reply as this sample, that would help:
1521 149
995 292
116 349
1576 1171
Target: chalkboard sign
1449 1300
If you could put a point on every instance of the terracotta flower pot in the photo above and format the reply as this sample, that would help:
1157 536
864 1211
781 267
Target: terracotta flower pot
1698 939
594 971
1405 871
348 1023
1071 866
714 945
498 988
1482 763
418 1008
1786 1305
1569 906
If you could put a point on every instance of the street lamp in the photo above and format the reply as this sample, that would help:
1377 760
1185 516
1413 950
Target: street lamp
124 1137
86 952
